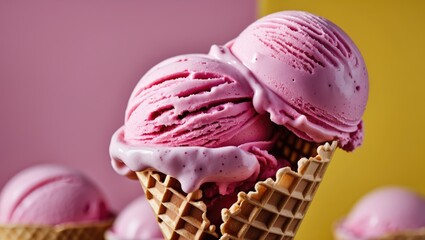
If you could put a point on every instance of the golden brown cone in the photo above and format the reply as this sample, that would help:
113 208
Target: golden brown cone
180 215
276 208
273 211
82 231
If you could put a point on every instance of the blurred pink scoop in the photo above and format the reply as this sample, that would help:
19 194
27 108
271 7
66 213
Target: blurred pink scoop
383 211
51 195
136 222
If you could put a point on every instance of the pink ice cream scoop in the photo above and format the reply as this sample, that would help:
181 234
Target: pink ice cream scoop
51 195
193 100
136 222
383 211
194 107
313 77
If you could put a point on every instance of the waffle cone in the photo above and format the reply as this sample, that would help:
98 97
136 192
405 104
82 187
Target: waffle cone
86 231
276 208
273 211
180 215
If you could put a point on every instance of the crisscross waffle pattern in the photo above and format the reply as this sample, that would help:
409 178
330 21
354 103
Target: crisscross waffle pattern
89 231
180 215
276 208
292 148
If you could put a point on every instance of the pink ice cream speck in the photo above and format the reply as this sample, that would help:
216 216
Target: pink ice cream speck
51 195
383 211
314 76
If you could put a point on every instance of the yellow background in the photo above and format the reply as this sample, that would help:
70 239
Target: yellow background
391 37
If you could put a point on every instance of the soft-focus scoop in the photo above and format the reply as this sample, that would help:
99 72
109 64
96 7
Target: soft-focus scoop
136 221
384 211
51 195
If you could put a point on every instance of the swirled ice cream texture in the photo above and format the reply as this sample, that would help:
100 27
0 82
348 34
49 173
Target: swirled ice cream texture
315 74
193 100
192 117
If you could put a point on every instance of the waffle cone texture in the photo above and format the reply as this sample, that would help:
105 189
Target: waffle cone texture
274 210
82 231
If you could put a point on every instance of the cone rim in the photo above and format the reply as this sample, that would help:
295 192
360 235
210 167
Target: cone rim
340 233
63 226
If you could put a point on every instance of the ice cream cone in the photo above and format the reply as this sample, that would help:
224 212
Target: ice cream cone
86 231
273 211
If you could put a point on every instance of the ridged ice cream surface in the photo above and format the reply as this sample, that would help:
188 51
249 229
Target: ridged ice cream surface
193 100
315 75
192 117
51 195
136 221
384 211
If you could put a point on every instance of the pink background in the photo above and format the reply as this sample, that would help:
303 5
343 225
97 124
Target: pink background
67 69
